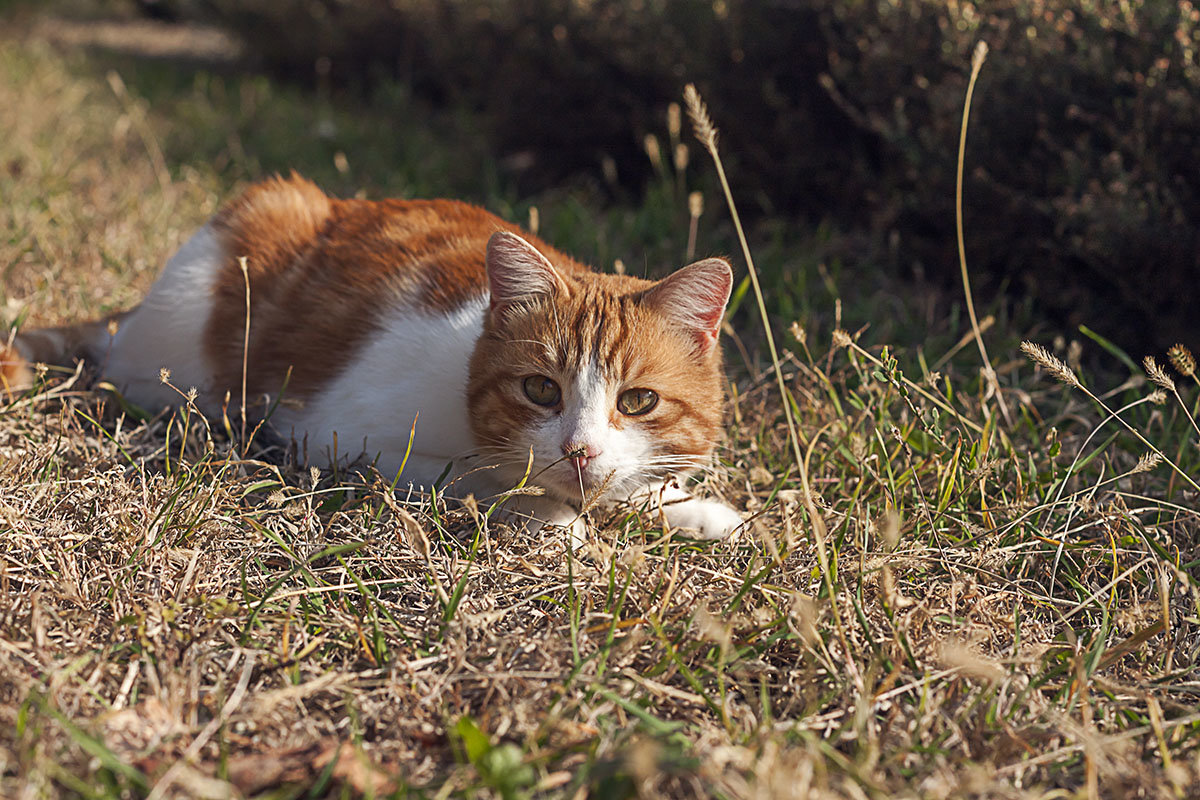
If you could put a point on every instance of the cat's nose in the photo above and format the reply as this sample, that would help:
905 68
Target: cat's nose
580 454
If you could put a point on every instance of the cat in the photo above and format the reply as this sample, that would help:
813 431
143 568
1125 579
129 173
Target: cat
371 316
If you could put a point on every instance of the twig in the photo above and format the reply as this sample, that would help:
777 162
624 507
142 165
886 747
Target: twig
989 373
235 700
245 345
706 132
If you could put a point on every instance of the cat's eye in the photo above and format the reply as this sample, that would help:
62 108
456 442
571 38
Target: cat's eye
542 390
633 402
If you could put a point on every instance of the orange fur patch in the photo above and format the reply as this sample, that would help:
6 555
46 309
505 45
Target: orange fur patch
15 372
321 270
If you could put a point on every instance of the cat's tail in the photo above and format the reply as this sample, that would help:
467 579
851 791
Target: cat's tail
61 346
15 373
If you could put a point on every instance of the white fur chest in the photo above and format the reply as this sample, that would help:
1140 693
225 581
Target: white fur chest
413 369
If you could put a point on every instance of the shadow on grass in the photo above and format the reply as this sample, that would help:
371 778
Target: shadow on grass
244 126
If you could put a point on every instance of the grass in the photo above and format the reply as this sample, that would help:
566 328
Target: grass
1002 611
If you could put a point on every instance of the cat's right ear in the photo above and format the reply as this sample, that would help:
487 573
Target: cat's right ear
695 298
516 271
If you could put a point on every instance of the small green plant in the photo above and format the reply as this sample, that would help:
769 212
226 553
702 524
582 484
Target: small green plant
500 766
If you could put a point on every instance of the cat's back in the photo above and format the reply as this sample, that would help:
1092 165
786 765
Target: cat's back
429 252
325 274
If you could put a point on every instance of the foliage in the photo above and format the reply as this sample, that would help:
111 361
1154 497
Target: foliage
1081 190
1080 156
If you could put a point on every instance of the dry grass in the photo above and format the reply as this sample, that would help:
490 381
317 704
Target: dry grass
1003 612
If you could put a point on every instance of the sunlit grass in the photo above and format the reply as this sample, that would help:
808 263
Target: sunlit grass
1018 609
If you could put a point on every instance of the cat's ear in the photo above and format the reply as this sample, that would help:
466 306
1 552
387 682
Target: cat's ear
694 298
517 270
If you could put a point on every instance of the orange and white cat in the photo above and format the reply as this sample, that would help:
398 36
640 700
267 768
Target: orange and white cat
370 315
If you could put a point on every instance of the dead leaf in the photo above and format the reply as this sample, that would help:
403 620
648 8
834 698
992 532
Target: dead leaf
256 772
356 769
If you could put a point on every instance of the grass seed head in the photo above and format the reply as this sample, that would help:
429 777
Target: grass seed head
969 661
1054 366
702 124
803 617
681 157
1158 374
891 592
1182 359
798 333
712 627
593 498
981 51
1147 462
653 151
1074 354
889 529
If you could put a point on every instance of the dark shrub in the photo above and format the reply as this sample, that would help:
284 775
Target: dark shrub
1082 181
1083 187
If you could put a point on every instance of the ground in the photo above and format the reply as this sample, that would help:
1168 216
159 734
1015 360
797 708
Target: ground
950 599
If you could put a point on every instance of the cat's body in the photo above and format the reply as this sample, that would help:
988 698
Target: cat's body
369 316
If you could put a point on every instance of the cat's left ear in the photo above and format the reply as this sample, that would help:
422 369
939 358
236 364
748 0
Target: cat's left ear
517 270
695 297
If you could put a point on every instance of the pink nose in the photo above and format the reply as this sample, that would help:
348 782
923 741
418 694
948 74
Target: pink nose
580 454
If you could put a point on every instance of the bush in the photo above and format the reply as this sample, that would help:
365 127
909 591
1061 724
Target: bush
1081 190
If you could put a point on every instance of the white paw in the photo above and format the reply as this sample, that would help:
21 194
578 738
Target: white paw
702 519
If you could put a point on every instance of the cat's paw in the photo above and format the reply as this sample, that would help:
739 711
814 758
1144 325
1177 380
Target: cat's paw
702 519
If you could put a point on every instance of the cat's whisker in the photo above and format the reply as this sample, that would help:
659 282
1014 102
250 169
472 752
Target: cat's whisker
690 465
700 466
697 461
677 460
496 438
496 449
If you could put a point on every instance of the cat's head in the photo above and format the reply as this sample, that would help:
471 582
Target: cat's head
611 381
